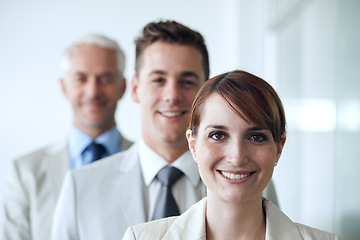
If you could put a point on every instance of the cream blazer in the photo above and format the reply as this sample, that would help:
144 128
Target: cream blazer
32 190
191 226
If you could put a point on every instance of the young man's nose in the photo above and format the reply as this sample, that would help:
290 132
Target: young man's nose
172 92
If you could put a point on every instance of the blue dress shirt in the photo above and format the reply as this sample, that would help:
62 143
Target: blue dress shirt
78 142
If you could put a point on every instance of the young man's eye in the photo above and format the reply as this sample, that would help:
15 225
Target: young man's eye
158 80
188 83
218 136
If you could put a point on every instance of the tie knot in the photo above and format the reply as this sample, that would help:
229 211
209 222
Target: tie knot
169 175
97 150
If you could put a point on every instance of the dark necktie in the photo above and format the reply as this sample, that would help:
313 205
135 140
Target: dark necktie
167 206
97 151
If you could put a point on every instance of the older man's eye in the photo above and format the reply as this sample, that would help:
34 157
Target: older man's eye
80 79
106 78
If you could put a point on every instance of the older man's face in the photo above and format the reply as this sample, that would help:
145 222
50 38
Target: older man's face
93 87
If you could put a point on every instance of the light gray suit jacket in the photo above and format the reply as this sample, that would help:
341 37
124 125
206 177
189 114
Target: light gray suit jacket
102 200
192 226
32 190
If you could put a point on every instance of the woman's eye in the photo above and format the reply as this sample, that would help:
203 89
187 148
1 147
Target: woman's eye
217 136
258 137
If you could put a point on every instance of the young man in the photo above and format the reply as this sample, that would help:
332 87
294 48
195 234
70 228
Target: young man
93 83
171 65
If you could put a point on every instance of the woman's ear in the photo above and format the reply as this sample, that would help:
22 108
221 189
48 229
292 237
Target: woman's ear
191 143
280 146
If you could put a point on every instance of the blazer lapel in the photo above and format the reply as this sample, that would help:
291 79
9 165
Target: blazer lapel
130 182
125 144
278 225
190 225
57 164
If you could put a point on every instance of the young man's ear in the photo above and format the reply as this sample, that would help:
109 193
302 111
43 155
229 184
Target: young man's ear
134 88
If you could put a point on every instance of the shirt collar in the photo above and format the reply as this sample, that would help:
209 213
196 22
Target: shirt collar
111 140
151 163
78 141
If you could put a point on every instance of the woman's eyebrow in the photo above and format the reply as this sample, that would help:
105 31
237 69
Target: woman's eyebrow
256 129
220 127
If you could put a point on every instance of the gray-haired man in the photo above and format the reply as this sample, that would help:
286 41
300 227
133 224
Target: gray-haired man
93 82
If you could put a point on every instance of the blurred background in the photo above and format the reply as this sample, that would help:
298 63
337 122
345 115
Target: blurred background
309 50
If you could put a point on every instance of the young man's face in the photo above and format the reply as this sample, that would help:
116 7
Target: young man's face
168 80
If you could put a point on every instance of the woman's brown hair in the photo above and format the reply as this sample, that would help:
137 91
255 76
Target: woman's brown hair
257 100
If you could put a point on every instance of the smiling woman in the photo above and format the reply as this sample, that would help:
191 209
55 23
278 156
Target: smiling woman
236 156
236 135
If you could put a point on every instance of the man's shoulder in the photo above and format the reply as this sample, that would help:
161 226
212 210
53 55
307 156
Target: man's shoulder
36 157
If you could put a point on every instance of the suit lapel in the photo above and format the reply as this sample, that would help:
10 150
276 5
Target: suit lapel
130 189
57 164
125 144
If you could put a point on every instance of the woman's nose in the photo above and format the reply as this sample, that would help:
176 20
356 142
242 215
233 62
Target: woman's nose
238 153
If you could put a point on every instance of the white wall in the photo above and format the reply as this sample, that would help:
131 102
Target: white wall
296 53
34 34
317 75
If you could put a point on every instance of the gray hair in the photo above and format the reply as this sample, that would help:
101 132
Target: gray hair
100 41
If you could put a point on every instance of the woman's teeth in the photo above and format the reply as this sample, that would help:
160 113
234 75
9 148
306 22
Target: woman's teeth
233 176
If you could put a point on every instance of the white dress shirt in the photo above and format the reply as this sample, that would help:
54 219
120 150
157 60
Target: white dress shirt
186 191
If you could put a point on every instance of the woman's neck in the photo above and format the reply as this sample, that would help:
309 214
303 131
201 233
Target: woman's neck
226 220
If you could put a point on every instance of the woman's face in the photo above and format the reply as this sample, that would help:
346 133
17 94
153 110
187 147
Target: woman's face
236 158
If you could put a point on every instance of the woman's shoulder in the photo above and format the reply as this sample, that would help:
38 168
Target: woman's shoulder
313 233
280 226
149 230
189 225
